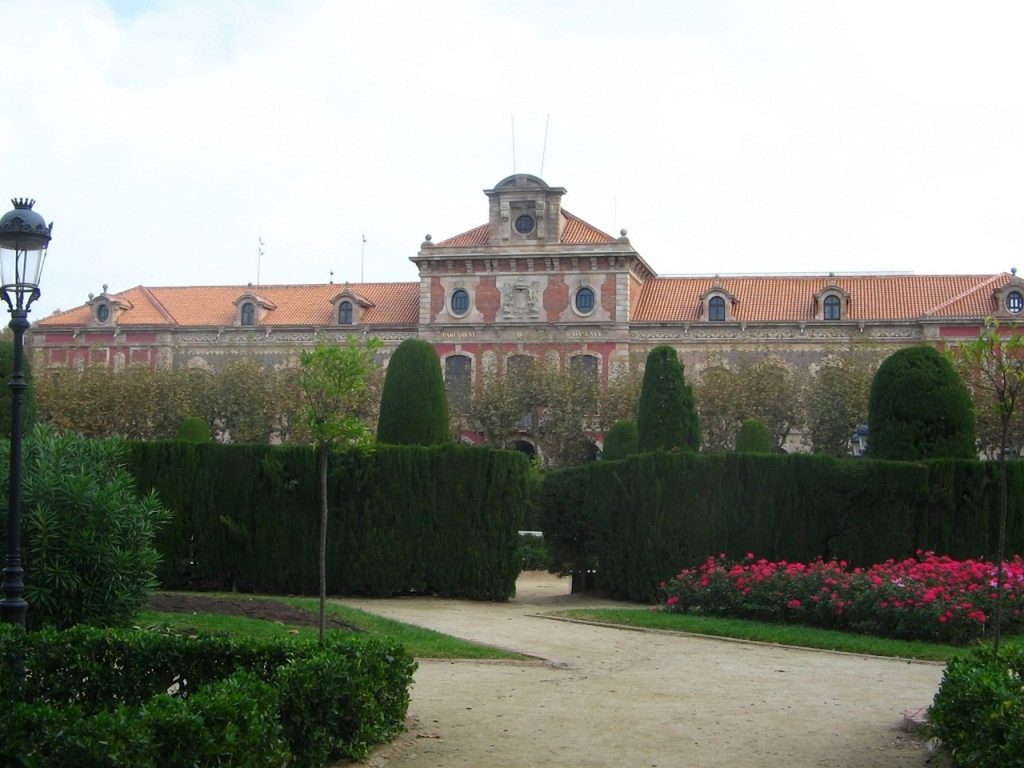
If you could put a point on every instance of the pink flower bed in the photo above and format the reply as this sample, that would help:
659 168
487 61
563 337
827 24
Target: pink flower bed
923 598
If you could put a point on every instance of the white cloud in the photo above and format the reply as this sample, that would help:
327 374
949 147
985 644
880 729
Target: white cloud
748 136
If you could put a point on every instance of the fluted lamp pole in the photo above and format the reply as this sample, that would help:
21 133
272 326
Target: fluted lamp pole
24 239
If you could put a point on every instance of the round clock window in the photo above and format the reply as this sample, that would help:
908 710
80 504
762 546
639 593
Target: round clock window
525 224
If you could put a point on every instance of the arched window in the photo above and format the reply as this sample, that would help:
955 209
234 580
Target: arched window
460 302
345 313
833 308
248 313
1014 302
458 374
584 367
103 312
716 309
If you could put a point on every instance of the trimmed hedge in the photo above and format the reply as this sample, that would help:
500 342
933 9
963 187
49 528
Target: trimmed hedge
639 521
414 402
100 697
666 416
442 519
621 441
753 437
919 408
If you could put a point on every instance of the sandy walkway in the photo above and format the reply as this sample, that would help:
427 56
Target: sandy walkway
611 697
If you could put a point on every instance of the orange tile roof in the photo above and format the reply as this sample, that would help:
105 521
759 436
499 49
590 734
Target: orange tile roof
574 231
204 306
782 298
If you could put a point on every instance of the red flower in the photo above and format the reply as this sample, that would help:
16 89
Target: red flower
794 603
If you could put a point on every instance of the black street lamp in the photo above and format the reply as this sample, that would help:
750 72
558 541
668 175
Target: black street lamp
24 238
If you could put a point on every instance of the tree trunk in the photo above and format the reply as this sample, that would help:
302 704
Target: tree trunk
1001 540
324 456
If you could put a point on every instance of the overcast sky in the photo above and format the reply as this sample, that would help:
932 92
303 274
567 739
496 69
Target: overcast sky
165 138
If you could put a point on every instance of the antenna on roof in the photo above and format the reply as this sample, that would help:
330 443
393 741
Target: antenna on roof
544 151
362 259
513 143
259 258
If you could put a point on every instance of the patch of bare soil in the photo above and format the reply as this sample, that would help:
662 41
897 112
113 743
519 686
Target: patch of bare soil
263 608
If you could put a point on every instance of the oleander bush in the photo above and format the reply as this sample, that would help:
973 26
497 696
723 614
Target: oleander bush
87 534
930 598
121 697
978 712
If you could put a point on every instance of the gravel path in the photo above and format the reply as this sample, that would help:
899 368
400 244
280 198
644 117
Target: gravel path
601 697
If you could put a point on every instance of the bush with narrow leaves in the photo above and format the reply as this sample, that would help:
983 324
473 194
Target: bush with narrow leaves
87 536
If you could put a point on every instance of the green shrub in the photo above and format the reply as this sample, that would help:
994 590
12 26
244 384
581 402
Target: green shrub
753 437
87 539
442 519
413 403
621 441
533 553
919 408
978 712
375 695
95 697
667 418
653 514
194 429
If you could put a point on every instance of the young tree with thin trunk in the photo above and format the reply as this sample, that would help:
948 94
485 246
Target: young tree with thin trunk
993 365
335 383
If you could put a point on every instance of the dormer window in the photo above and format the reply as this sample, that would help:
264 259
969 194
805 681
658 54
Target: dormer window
832 302
1014 302
716 309
348 307
252 309
345 313
106 308
717 303
833 308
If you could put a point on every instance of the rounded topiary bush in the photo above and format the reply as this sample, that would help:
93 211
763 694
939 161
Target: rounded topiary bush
621 441
919 408
667 419
753 437
413 403
194 430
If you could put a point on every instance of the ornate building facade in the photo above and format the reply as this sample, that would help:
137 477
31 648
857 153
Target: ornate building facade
534 281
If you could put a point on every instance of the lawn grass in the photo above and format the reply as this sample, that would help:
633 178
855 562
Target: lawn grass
419 642
784 634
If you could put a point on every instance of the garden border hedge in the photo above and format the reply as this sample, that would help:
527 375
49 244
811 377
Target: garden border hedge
641 520
100 697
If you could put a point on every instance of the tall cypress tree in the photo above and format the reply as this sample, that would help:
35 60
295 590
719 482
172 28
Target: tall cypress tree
667 419
413 404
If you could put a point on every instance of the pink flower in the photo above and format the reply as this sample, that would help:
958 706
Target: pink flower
672 600
794 603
